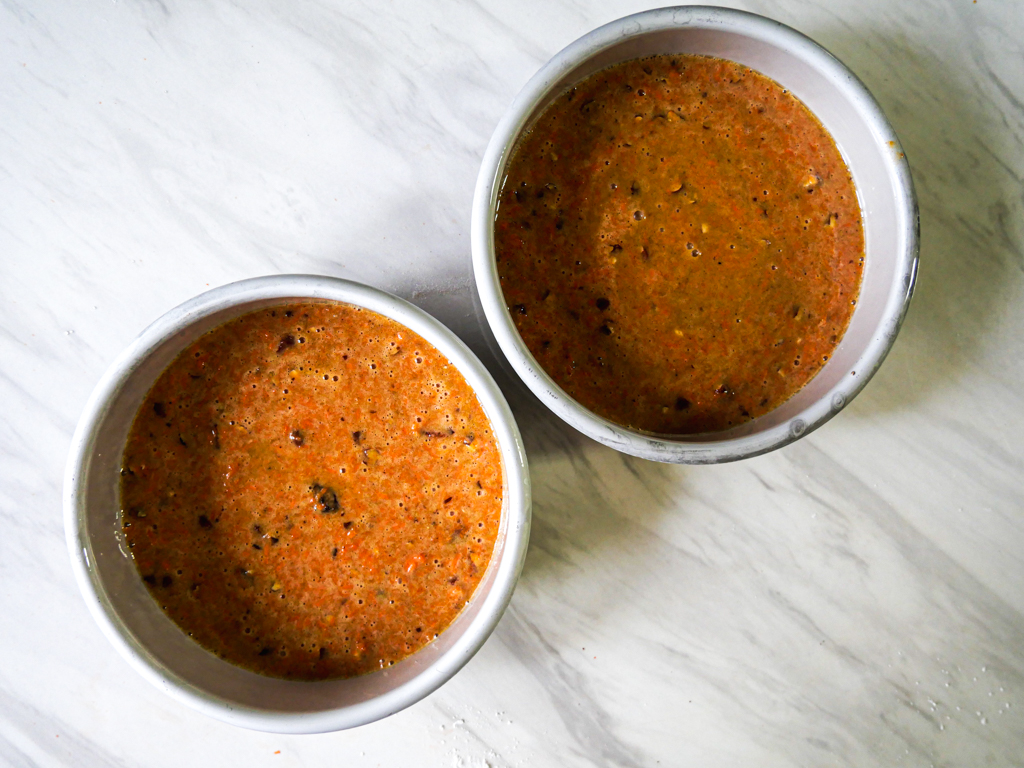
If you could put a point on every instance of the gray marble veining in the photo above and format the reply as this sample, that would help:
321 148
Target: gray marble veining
854 599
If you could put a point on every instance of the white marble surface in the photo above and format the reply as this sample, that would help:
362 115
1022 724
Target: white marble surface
854 599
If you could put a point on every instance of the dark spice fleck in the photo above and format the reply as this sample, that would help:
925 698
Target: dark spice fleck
357 437
265 652
327 499
204 522
603 304
286 341
347 524
151 580
682 403
160 410
605 330
520 308
166 581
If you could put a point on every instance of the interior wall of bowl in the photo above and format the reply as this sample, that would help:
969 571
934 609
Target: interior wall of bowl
832 99
154 637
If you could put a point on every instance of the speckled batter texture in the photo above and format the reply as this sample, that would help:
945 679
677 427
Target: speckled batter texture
311 491
679 243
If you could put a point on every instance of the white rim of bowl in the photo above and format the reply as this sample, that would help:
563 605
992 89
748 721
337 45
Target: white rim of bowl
302 287
666 448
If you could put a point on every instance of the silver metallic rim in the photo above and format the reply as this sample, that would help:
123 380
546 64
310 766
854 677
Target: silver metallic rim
300 287
695 449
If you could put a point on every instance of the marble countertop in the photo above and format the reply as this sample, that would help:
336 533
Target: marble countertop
854 599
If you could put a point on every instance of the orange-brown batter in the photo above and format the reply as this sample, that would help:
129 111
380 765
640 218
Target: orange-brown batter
311 491
679 243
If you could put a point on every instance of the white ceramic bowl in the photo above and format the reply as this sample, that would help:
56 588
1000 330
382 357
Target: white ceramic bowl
869 146
163 653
